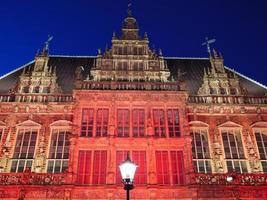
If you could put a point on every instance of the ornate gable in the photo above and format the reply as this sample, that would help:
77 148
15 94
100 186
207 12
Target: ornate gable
128 64
41 78
29 124
216 81
230 124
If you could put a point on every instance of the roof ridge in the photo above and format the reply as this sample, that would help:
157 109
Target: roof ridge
166 57
16 69
195 58
244 76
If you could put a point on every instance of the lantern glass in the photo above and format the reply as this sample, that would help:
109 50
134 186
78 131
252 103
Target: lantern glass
127 169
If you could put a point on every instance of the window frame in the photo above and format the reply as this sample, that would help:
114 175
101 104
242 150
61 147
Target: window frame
234 128
261 130
25 128
205 131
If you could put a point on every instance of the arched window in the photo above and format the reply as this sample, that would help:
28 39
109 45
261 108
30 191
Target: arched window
58 157
233 147
260 130
200 147
25 146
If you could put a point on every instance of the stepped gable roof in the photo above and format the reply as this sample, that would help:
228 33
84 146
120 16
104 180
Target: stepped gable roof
66 66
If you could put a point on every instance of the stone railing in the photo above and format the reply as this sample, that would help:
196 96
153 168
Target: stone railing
247 179
107 85
227 100
36 97
32 178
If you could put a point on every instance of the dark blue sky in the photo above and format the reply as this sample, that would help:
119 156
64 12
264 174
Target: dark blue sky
178 27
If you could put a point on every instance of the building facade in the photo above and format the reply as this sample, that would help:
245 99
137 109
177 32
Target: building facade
195 128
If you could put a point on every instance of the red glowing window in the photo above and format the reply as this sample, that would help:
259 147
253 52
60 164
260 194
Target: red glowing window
87 122
24 150
173 122
84 166
100 167
177 167
162 166
139 158
159 122
102 122
120 157
123 120
138 122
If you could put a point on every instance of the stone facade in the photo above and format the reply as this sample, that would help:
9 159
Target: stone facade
131 78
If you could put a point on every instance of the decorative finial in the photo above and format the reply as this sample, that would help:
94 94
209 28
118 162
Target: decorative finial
207 43
160 52
99 51
129 10
46 48
145 36
114 35
215 54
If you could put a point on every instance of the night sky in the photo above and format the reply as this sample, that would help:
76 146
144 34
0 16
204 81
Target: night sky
178 27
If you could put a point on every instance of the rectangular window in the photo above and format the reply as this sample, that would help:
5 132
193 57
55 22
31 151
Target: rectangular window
84 167
162 166
123 122
120 157
100 167
102 123
87 122
138 122
261 138
24 150
159 122
233 149
173 122
59 151
200 151
139 158
177 164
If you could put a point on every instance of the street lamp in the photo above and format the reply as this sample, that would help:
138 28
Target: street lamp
127 169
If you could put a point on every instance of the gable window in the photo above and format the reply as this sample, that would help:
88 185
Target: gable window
138 122
173 122
233 91
87 122
213 91
222 91
200 150
102 122
261 138
123 122
159 122
59 151
233 149
24 150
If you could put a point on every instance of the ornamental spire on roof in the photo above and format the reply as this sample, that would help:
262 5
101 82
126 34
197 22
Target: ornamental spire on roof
45 50
207 43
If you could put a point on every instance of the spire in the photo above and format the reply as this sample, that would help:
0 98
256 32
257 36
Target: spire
129 10
207 43
46 46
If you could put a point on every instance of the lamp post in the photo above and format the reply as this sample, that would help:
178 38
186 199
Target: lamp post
230 179
127 169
